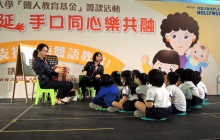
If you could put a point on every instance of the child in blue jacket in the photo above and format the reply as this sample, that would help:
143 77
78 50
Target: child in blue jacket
107 94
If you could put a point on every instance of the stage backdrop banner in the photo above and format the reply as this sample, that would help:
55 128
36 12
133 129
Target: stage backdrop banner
130 34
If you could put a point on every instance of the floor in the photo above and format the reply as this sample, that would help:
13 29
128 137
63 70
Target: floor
76 120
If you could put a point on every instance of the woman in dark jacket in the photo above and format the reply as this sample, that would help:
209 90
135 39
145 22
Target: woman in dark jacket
93 72
45 72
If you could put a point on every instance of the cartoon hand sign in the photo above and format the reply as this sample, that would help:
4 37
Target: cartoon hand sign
144 59
20 27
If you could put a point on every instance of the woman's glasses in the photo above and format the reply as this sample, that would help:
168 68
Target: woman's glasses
45 51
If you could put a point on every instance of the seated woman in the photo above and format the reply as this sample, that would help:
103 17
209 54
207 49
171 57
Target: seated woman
93 72
107 94
45 72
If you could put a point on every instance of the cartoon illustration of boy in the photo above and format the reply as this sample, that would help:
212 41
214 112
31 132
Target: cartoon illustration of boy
197 57
164 60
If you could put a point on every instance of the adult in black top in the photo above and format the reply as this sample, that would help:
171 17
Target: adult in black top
45 72
93 72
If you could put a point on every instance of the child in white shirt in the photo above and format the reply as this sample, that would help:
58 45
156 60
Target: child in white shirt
157 104
128 93
177 97
201 91
190 81
184 87
204 88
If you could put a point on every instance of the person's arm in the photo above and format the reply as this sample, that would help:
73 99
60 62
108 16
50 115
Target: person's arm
52 67
188 93
170 93
140 93
101 92
203 86
201 92
124 99
41 68
149 104
149 101
86 68
138 90
48 62
193 89
101 70
125 92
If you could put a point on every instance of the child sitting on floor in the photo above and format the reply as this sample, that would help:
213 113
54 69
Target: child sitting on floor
134 74
203 86
142 88
191 83
201 91
107 94
117 81
157 104
128 93
177 97
165 79
184 87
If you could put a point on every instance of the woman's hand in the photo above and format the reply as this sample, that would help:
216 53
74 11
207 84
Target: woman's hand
97 76
84 72
69 79
59 70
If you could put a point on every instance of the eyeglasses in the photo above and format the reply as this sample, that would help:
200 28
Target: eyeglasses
44 51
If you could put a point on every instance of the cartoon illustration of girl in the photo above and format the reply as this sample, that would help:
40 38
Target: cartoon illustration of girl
164 60
180 32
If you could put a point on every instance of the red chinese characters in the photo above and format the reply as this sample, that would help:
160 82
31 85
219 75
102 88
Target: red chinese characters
75 22
130 24
94 24
7 22
60 20
37 20
147 25
112 23
79 23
